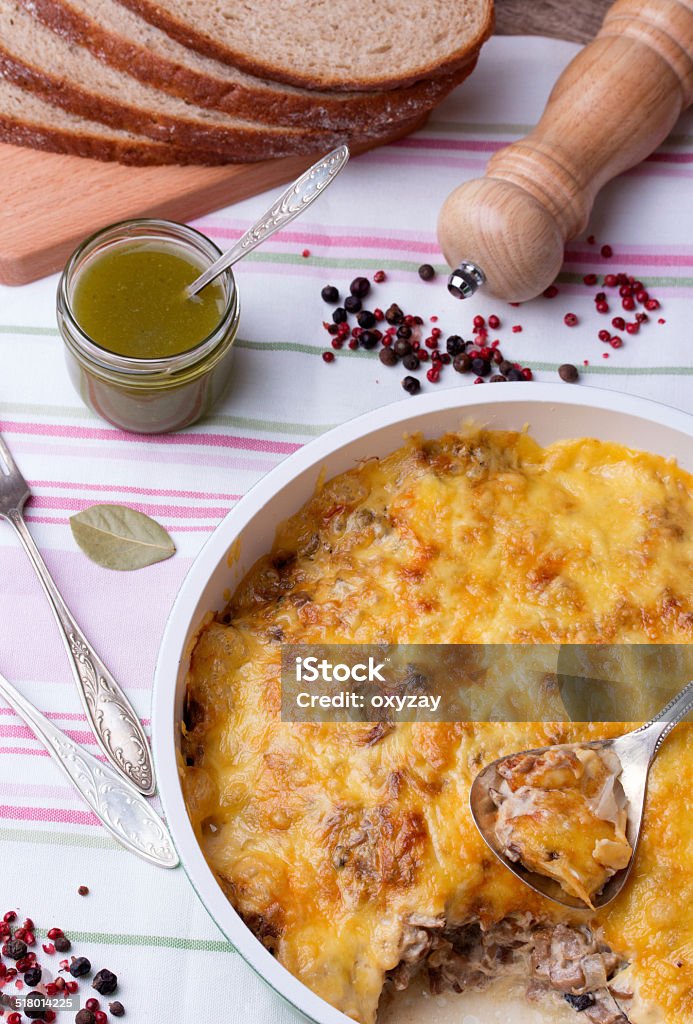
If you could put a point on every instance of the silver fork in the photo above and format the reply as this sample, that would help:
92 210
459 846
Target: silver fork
109 713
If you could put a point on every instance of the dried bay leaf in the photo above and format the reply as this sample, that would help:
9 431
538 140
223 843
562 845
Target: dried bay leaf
121 538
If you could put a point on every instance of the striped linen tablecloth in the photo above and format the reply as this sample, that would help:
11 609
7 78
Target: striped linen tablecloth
145 924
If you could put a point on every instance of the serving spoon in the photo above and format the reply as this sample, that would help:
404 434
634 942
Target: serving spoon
635 750
285 208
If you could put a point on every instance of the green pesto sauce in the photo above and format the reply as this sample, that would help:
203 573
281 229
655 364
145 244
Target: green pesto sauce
130 300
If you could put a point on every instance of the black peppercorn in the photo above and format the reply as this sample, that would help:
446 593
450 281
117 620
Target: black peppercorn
387 356
79 967
105 982
366 319
340 314
411 362
352 304
497 378
15 949
394 314
33 976
462 363
35 1006
360 287
62 944
505 367
481 366
84 889
402 347
426 272
568 373
331 329
404 331
514 374
455 344
411 385
368 339
117 1009
85 1017
330 293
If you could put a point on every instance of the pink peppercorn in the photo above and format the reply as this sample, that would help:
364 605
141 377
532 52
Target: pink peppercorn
628 304
616 342
570 320
527 373
433 375
604 336
610 280
602 307
517 328
379 276
328 357
652 304
494 322
619 323
605 355
633 328
607 252
549 293
305 253
642 296
590 279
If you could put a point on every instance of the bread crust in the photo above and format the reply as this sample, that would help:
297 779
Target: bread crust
357 111
229 144
204 44
144 153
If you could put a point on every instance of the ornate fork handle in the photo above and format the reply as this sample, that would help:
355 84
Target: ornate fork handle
110 714
120 808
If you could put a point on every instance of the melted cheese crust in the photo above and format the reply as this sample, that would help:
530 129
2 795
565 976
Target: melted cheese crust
327 837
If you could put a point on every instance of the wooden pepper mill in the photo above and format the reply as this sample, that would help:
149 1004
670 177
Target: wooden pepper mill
612 106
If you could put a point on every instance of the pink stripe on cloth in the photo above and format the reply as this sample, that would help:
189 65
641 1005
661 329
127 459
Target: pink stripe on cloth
175 511
338 241
490 146
66 716
127 489
26 751
23 732
652 259
122 453
256 444
59 814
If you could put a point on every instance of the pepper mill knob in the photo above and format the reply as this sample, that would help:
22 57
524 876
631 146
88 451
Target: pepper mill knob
612 106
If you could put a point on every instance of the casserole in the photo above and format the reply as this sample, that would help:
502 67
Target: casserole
248 532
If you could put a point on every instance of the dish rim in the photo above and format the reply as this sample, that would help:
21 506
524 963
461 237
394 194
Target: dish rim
214 553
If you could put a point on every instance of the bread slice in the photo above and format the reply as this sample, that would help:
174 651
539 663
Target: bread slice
70 76
27 120
127 42
348 45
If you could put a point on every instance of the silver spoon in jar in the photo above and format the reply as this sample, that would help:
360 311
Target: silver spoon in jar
290 204
635 750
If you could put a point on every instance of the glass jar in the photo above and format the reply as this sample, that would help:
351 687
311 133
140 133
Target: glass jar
148 396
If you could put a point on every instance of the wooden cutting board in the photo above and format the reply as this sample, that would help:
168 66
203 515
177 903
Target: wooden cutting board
49 203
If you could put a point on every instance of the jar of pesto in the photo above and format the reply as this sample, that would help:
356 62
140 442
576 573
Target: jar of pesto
141 354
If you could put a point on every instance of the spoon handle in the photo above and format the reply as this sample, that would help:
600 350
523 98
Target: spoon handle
119 806
292 202
674 712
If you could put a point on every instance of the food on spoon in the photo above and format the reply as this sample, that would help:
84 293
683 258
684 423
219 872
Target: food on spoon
562 814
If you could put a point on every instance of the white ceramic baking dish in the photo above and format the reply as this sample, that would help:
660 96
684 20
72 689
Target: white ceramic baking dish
551 411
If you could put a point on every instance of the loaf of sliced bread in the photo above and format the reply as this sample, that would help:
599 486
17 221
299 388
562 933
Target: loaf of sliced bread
348 45
27 120
70 76
127 42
